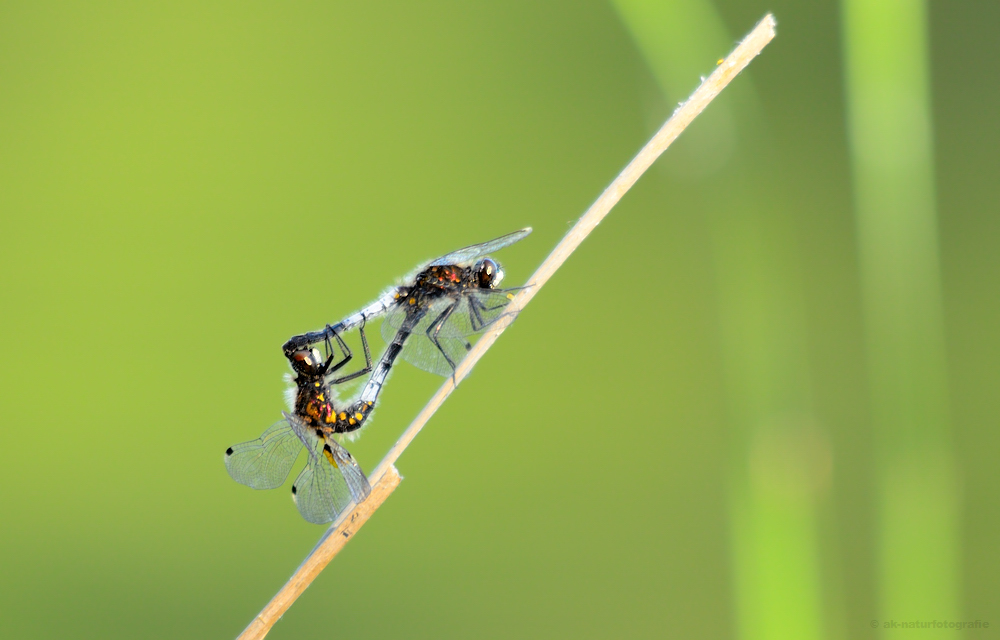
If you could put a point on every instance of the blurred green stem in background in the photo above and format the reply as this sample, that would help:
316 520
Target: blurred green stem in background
781 460
889 122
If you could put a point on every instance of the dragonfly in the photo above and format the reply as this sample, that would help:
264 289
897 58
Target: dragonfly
429 318
331 479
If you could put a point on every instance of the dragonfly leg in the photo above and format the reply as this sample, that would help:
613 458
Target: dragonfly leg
343 346
435 328
477 307
475 317
368 357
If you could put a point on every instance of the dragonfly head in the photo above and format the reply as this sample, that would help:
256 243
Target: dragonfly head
488 273
307 362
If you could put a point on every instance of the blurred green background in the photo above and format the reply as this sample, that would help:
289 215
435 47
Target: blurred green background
709 423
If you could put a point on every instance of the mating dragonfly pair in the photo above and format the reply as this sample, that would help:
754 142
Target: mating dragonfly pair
428 321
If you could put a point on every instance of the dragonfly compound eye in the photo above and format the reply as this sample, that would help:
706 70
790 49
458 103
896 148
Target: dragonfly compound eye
307 361
488 273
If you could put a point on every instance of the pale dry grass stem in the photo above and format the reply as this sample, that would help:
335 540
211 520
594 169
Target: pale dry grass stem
385 478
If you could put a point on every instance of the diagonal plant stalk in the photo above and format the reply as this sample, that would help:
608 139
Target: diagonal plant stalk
385 478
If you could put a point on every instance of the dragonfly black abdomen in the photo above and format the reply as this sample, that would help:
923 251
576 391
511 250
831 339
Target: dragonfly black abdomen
352 418
372 389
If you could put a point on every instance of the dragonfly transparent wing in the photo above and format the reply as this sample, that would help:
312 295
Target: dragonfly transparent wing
438 350
329 483
355 478
472 253
264 463
477 310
